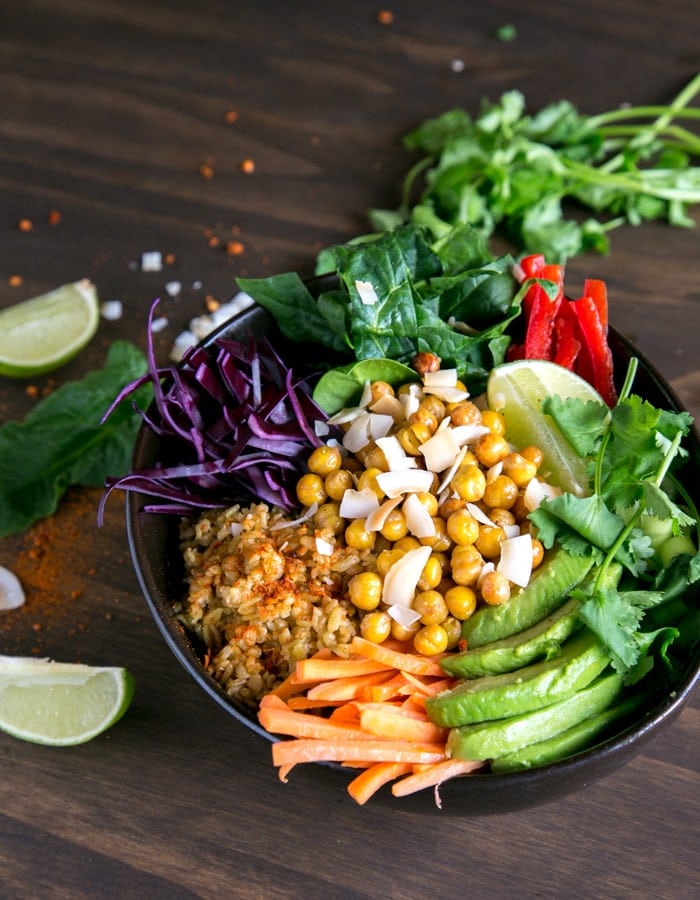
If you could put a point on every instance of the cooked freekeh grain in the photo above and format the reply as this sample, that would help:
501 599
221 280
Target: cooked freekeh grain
263 592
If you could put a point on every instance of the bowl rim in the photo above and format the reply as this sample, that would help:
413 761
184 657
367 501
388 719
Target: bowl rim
617 748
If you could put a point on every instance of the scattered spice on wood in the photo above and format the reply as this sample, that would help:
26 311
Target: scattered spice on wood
235 248
54 217
247 166
206 170
385 17
25 225
230 116
15 280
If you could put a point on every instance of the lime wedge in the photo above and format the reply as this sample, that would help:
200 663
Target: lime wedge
60 704
517 390
41 334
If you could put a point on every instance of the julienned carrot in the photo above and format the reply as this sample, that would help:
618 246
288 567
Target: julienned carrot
429 689
368 782
346 688
387 690
315 669
404 662
310 750
394 726
304 725
433 776
298 703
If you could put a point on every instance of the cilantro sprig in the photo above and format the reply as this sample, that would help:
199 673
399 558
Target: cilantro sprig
508 171
631 451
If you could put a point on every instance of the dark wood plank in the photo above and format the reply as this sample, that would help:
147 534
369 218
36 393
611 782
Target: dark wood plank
109 109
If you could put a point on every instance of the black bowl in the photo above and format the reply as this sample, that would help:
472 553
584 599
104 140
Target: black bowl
154 549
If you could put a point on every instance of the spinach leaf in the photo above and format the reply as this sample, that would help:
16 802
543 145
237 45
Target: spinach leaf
61 442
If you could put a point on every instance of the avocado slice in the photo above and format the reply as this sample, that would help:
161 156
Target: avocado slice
582 658
539 642
548 588
576 738
489 740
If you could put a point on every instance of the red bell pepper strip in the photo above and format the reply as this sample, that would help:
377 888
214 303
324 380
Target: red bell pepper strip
539 337
566 343
595 340
597 290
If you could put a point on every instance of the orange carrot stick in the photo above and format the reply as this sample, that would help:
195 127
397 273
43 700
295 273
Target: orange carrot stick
345 688
305 725
392 726
300 703
367 783
434 775
310 750
315 669
404 662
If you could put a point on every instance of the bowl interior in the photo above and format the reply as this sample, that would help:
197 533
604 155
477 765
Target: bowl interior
153 542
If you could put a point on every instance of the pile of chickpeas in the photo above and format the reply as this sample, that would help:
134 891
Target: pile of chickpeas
452 585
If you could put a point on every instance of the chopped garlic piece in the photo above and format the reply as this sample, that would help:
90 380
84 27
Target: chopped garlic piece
11 593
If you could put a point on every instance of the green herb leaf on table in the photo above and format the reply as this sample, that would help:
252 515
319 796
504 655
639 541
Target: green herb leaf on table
61 442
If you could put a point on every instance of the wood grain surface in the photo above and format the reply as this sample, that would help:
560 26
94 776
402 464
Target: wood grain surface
109 110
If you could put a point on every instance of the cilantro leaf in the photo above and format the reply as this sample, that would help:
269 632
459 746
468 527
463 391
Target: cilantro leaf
615 620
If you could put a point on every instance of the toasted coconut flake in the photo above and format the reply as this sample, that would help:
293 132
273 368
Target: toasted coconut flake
345 415
448 394
379 426
308 513
357 436
375 520
396 457
440 378
402 578
389 406
468 434
485 569
366 397
511 531
440 450
479 514
449 475
406 481
358 504
404 615
494 471
420 522
537 491
515 562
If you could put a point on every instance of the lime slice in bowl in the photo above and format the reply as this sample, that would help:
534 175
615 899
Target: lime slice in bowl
41 334
60 704
517 389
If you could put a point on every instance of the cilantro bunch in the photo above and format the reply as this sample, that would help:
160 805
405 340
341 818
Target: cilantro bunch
637 519
509 171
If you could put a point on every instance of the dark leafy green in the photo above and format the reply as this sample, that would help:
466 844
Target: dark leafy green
510 171
61 442
448 296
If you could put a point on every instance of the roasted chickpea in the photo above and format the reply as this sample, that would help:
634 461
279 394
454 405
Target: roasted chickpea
328 516
336 483
395 527
387 558
453 629
407 543
424 416
520 469
489 541
449 506
491 448
365 590
429 501
357 536
461 601
500 492
537 553
380 389
435 405
533 454
311 489
440 541
494 589
431 576
368 479
494 421
376 626
501 517
469 483
430 640
462 527
404 632
431 606
466 564
465 413
324 460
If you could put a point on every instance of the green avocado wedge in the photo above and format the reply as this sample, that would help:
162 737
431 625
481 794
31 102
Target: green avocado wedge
576 738
542 641
581 660
548 589
498 738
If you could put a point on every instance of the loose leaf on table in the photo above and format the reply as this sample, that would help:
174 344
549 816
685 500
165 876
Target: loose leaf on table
62 443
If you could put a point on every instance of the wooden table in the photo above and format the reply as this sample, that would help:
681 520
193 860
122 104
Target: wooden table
132 120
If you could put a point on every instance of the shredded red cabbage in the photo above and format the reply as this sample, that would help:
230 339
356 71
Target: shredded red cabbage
234 422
